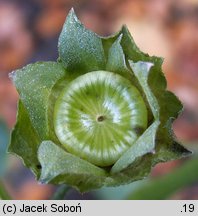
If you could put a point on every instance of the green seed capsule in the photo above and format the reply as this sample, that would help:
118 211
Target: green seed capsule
98 116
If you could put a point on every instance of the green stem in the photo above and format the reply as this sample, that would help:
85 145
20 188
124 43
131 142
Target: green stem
3 193
165 186
61 192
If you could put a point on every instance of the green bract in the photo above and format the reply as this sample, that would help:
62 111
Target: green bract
99 116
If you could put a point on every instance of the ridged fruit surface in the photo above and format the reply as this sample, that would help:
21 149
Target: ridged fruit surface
98 116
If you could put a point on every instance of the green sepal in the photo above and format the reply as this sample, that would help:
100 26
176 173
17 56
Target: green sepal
167 146
61 167
34 84
40 84
116 59
157 96
79 48
145 144
141 71
25 141
137 170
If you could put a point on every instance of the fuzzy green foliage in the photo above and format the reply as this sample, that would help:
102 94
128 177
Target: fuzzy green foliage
40 85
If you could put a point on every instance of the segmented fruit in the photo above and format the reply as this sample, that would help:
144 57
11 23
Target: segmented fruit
98 116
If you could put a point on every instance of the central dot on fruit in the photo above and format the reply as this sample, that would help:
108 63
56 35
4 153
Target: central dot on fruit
97 116
100 118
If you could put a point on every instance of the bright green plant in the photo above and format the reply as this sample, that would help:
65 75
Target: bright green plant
99 116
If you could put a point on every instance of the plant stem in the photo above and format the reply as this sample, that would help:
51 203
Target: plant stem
61 192
163 187
3 193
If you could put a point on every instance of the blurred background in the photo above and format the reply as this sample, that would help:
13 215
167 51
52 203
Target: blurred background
29 31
